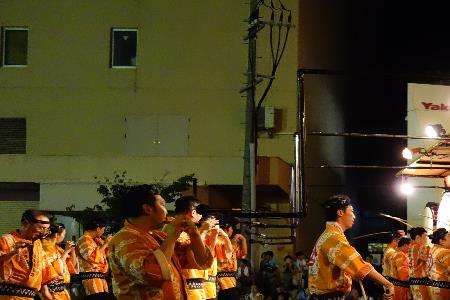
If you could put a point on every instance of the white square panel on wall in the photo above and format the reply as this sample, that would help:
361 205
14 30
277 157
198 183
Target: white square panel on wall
157 135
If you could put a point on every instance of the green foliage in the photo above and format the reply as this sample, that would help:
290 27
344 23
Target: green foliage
173 191
113 189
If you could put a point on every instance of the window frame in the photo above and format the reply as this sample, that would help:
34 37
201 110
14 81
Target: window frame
3 42
111 60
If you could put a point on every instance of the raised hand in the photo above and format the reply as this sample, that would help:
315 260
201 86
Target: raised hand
388 292
21 244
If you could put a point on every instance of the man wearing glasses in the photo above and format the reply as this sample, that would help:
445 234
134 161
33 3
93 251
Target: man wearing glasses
22 258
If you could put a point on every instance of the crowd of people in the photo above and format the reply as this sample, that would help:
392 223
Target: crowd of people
196 255
411 268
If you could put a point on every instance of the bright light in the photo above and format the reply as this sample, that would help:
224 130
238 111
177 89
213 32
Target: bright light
407 154
443 218
406 188
435 130
431 132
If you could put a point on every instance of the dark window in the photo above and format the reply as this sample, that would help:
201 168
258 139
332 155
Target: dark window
13 136
14 46
123 47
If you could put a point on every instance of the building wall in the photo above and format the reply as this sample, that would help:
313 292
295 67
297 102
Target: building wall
191 58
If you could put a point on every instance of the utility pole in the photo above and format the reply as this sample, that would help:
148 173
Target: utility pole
249 184
249 181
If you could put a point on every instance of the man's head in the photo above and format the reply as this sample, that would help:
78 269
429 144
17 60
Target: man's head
144 201
187 206
96 226
369 258
441 237
35 224
403 244
339 209
396 236
419 235
288 259
229 229
57 232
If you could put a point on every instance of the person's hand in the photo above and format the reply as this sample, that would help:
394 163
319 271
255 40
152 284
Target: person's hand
388 292
69 246
209 224
190 227
176 226
21 244
221 232
108 238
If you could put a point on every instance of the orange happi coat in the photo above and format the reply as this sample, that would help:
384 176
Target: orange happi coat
418 256
225 263
140 269
387 260
26 268
191 270
334 262
439 270
59 272
92 259
400 271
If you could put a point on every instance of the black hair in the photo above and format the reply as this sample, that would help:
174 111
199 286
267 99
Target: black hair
94 223
30 215
404 241
287 256
416 231
56 228
204 210
299 253
185 204
396 235
137 196
333 204
438 235
270 253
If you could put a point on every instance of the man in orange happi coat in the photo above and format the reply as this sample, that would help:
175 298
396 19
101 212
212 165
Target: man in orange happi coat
418 257
226 263
142 257
195 257
400 269
91 250
60 261
389 252
439 265
22 259
334 262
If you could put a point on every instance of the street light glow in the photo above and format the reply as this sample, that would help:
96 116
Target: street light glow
407 154
406 188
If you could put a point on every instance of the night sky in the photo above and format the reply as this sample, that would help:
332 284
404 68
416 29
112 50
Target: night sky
390 44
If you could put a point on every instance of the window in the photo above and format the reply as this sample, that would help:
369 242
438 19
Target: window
13 136
14 46
123 47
